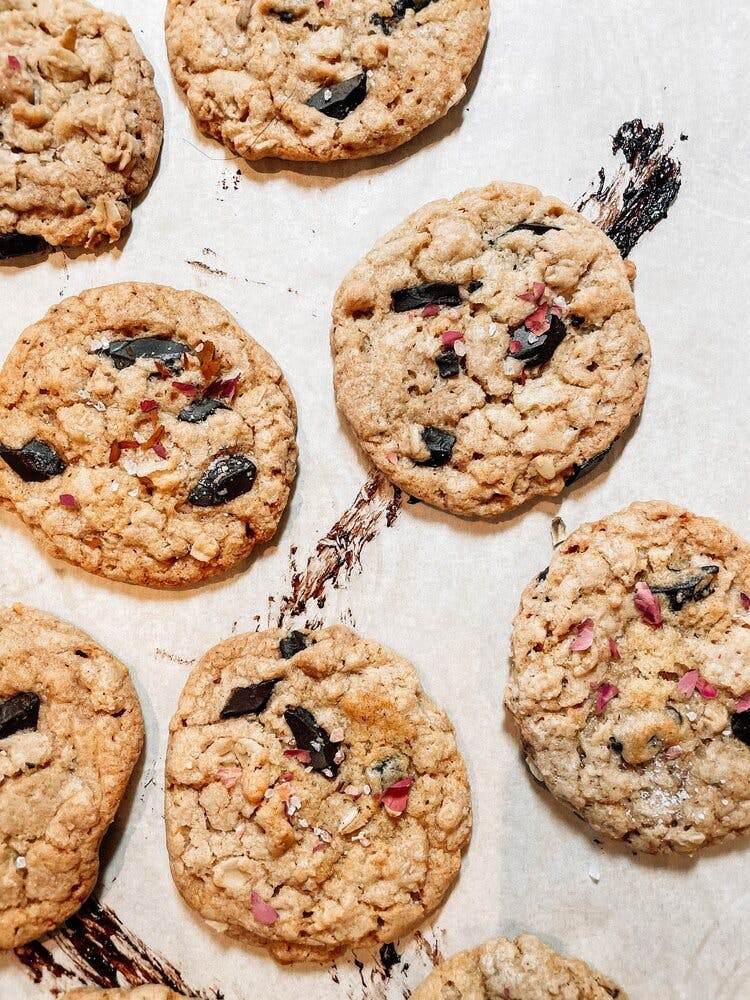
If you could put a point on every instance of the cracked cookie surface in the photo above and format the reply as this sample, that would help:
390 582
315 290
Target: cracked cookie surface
524 969
139 993
630 677
488 351
315 797
80 124
145 436
70 734
322 79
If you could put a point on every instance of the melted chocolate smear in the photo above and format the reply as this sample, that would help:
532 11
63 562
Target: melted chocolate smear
339 553
36 462
579 471
20 245
691 588
389 957
124 353
94 948
308 735
435 293
200 410
641 192
292 644
225 479
18 713
249 700
339 99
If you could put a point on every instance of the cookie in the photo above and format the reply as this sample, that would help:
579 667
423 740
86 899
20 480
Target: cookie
322 79
145 436
488 350
630 677
524 969
80 125
140 993
70 734
315 798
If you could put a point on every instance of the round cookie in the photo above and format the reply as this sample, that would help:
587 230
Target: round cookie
70 734
322 80
139 993
145 436
315 797
524 969
630 677
488 350
80 121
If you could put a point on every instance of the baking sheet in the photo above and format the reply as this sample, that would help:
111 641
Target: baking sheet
272 241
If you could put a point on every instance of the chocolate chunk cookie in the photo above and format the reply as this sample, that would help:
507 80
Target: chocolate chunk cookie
315 798
322 79
488 350
140 993
70 734
80 125
145 436
524 969
630 678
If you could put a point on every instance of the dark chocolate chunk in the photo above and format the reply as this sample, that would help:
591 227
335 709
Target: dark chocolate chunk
543 575
226 478
435 293
579 471
17 713
740 723
200 410
389 957
123 353
537 228
388 22
20 245
36 462
283 15
413 500
440 446
614 745
448 363
474 286
337 100
577 321
292 644
537 349
249 700
693 587
308 735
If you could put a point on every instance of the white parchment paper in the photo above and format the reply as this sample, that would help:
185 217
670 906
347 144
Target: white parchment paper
556 81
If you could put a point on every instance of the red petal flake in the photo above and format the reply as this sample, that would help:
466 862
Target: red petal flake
263 912
229 776
585 638
743 704
429 311
186 387
535 293
514 346
69 501
745 600
396 797
604 695
147 405
160 450
450 337
523 377
229 388
704 689
538 322
614 652
303 756
14 63
687 683
648 605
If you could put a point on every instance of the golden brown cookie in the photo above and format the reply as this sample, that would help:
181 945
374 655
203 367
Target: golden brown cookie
145 436
139 993
315 797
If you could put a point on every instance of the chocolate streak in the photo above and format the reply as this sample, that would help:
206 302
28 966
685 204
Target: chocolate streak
95 949
642 190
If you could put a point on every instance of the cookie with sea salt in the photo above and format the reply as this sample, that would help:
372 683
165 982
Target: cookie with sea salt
322 79
70 734
488 350
140 993
315 797
80 125
524 969
145 436
630 677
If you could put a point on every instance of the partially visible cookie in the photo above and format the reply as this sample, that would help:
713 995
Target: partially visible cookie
524 969
315 797
80 125
630 677
70 733
488 350
322 79
145 436
139 993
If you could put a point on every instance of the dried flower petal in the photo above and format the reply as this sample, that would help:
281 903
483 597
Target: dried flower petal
743 704
303 756
450 337
68 500
515 346
147 405
648 605
585 638
745 600
535 293
604 695
686 684
614 652
704 688
14 63
538 322
263 912
431 310
228 388
160 450
392 457
185 387
229 776
396 797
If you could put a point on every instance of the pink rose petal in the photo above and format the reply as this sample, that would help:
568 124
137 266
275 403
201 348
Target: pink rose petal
14 63
147 405
686 684
229 776
534 293
745 600
185 387
263 912
604 695
450 337
396 796
515 346
228 388
538 322
743 704
585 637
69 501
160 450
392 457
614 652
704 689
303 756
648 605
429 311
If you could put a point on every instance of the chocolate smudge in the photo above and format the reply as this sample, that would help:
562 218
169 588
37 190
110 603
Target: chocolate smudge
94 948
339 553
642 190
205 267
